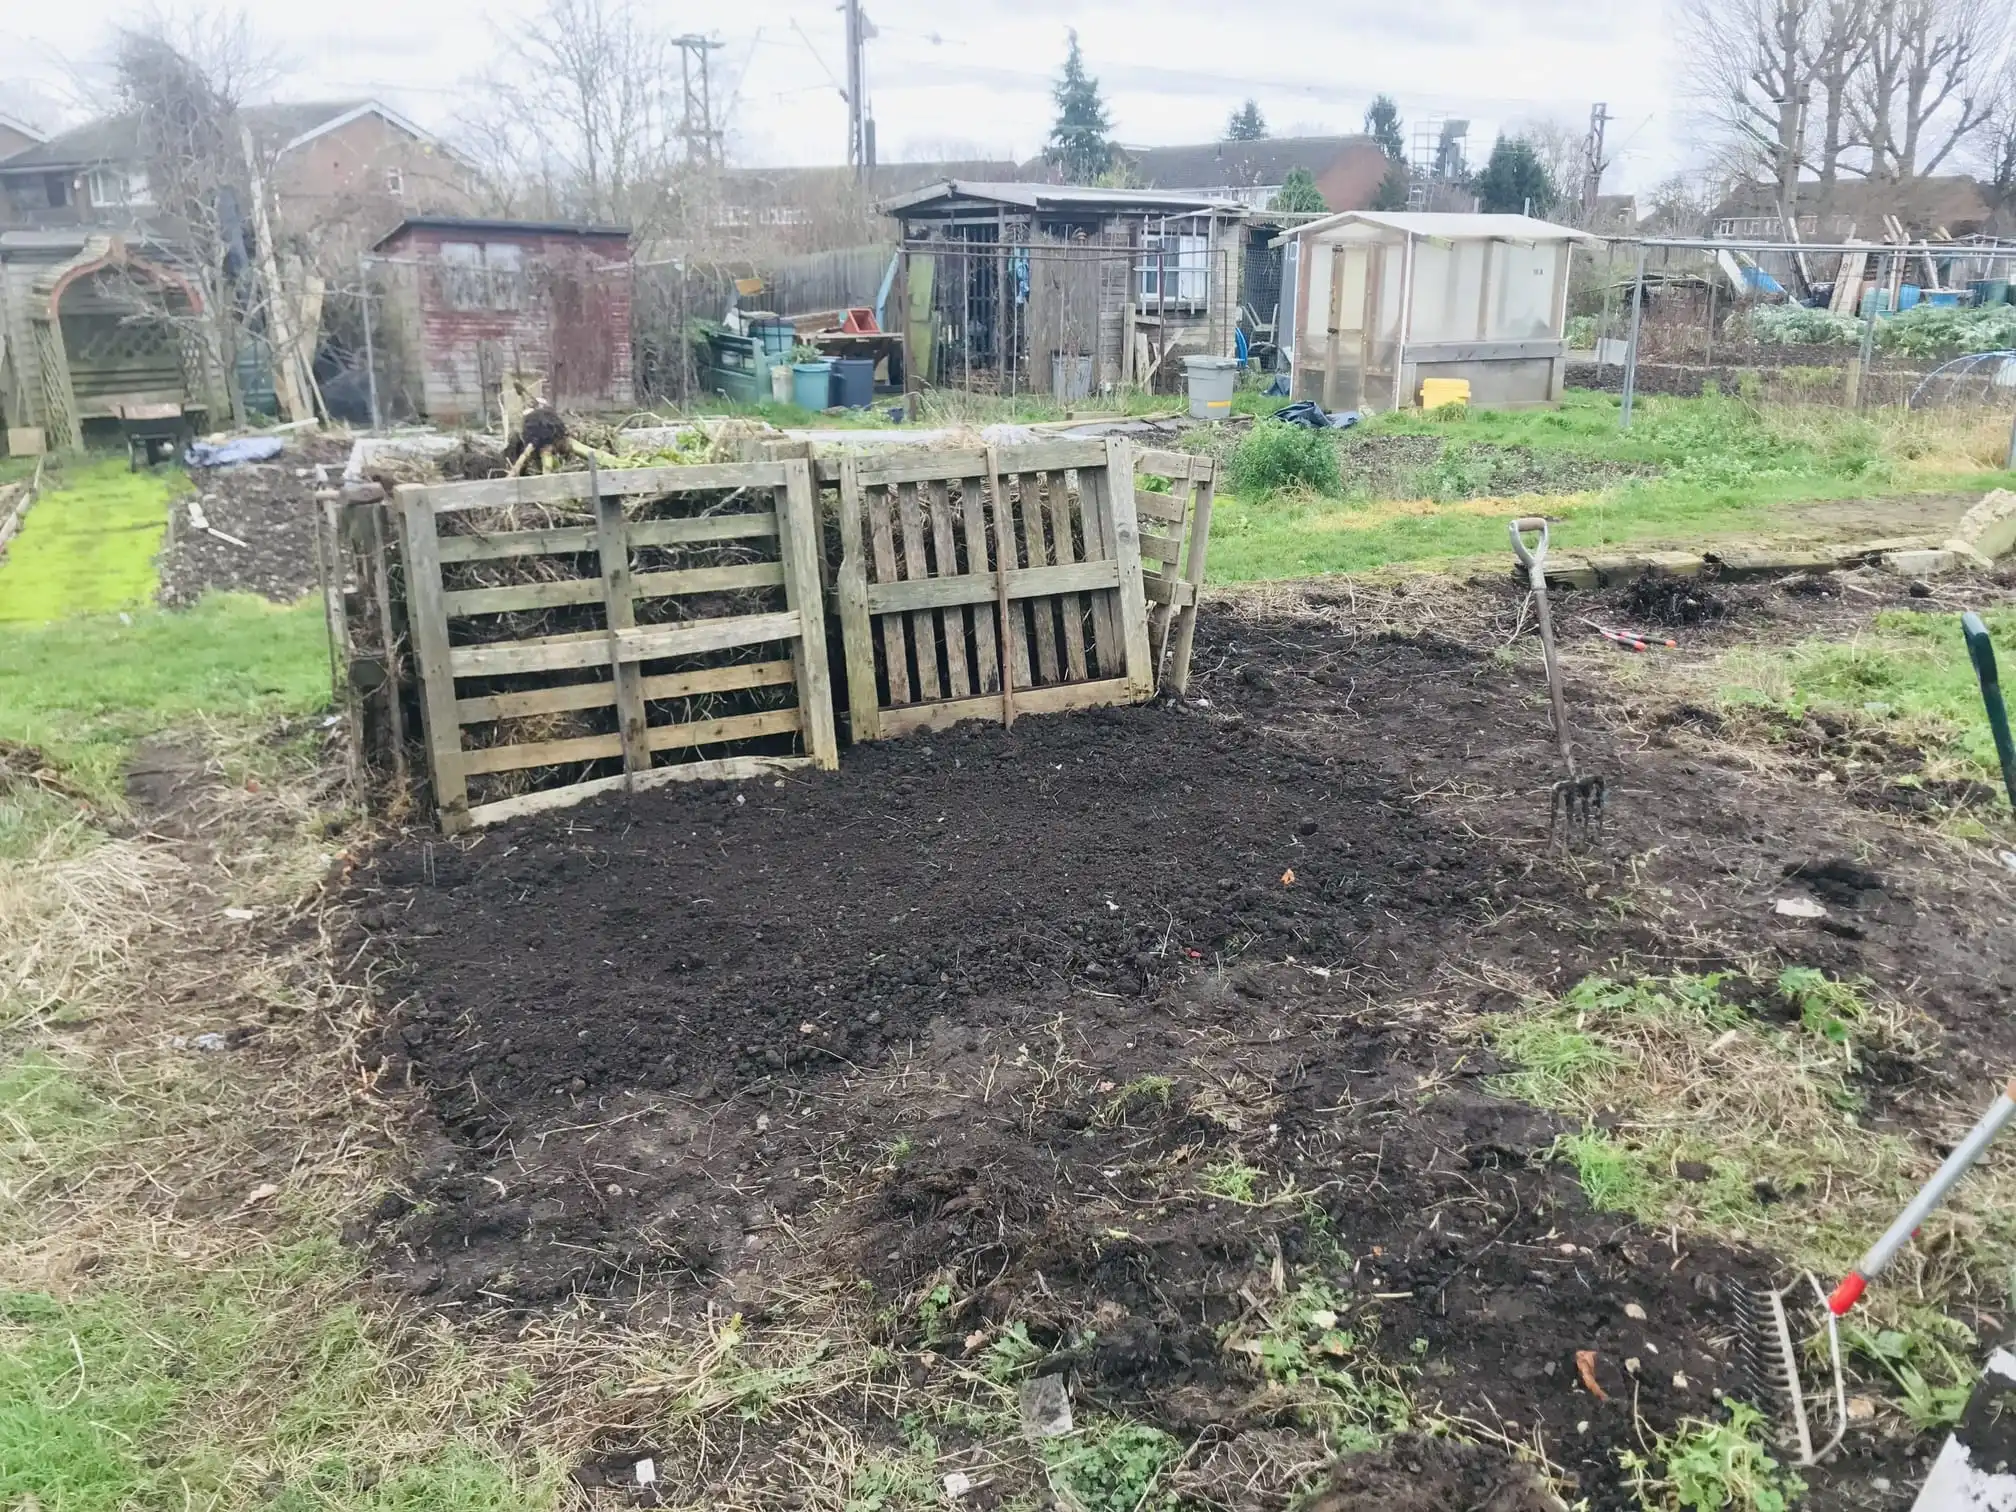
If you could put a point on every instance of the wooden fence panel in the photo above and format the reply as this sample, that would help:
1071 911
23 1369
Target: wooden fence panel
1048 587
615 630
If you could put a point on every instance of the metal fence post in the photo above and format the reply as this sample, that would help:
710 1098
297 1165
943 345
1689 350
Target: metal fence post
370 354
1631 347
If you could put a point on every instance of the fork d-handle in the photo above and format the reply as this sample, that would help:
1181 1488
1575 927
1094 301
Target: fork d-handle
1900 1233
1982 650
1534 560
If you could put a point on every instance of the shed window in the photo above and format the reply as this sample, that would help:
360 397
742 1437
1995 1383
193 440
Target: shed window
506 264
118 186
395 182
463 286
1174 266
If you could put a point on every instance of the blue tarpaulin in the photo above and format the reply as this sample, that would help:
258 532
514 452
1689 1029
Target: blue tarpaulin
231 453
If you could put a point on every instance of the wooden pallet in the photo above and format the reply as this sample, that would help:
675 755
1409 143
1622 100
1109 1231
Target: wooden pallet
1175 538
647 674
990 582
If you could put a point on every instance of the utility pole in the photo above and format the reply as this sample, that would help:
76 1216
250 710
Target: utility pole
696 122
860 120
1592 179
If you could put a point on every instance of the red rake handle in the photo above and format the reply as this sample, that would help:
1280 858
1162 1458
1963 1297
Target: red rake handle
1900 1233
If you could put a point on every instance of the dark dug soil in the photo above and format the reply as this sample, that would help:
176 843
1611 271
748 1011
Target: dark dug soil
270 506
1010 1013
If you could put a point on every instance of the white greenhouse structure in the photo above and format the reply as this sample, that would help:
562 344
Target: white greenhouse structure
1383 301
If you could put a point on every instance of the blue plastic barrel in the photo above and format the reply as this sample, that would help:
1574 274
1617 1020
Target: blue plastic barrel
853 382
812 384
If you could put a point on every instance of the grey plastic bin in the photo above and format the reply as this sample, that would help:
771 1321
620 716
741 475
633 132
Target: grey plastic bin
1211 381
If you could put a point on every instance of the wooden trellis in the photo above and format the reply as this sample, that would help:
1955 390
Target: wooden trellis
718 644
983 583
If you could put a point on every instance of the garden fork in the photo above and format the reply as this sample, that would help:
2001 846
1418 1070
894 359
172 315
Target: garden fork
1576 809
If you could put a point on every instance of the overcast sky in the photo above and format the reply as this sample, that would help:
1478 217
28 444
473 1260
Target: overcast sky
974 77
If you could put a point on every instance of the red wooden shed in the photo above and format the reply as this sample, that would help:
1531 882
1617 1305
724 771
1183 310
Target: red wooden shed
468 302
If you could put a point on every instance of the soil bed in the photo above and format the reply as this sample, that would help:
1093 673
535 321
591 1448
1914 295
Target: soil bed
1130 1028
270 507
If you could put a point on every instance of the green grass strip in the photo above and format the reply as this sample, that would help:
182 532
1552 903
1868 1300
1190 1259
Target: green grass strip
88 545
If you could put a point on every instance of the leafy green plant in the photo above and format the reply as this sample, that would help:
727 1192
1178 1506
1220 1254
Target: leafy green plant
1233 1180
1337 1383
1275 457
1011 1353
1113 1466
1905 1356
931 1308
1826 1007
1711 1466
1140 1094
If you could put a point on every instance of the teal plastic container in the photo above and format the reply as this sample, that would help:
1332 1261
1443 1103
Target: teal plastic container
812 384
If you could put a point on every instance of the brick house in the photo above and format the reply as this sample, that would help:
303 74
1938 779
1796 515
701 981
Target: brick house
342 169
1348 169
463 303
16 135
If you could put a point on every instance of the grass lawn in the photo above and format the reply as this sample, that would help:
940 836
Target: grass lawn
1721 467
84 690
88 545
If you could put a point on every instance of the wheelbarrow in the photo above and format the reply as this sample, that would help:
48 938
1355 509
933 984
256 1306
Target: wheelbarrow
154 433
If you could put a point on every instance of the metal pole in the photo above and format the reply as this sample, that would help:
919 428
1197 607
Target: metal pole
2009 463
1867 351
370 352
1708 356
1631 346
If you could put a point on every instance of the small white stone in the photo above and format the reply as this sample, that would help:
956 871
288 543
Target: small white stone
1679 1380
957 1484
1798 908
1583 1426
762 1123
1634 1312
1632 1365
647 1472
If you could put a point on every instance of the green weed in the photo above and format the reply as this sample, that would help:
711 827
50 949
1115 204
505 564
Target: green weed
1904 1355
1113 1466
1278 458
1233 1180
1826 1007
1336 1381
1710 1466
1011 1354
1139 1095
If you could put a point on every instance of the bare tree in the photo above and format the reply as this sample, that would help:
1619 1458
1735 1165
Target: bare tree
1995 148
182 82
1925 87
1563 150
1839 43
1750 70
577 117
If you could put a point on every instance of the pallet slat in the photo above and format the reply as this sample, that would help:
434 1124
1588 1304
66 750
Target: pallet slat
563 540
560 591
573 487
952 619
726 769
923 624
1059 698
646 643
1024 583
987 652
857 629
602 695
895 637
1058 494
1034 545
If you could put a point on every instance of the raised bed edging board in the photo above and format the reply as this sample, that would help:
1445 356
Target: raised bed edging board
15 501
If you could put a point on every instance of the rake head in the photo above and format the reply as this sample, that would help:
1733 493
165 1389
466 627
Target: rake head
1770 1350
1575 814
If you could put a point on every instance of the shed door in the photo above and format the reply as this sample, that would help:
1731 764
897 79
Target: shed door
1334 351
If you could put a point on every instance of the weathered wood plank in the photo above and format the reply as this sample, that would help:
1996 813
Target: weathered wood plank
619 603
1177 658
647 643
895 631
1058 699
1133 603
800 540
1058 495
565 540
699 732
987 652
1037 549
429 624
1168 464
727 769
1093 506
601 695
923 624
857 628
512 758
1023 583
1165 550
573 487
918 466
1052 456
1164 508
1168 591
951 619
553 593
1014 657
